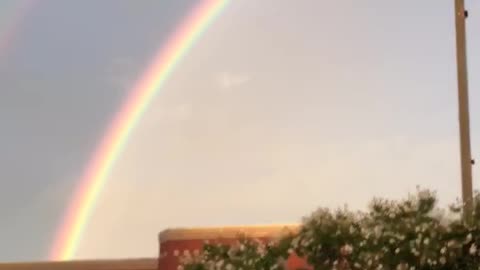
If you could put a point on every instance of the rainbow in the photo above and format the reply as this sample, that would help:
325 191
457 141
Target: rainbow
11 18
69 234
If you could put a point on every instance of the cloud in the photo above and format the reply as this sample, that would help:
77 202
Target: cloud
227 80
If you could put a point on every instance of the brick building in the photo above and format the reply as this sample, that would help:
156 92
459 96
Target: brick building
175 242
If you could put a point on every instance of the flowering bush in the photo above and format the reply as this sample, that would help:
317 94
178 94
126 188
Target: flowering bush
244 254
410 234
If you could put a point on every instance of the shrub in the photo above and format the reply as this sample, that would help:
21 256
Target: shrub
245 254
409 234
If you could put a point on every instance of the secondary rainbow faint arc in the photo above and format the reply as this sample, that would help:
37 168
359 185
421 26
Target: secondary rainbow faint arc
10 22
93 181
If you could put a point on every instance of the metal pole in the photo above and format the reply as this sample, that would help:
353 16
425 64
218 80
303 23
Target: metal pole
463 111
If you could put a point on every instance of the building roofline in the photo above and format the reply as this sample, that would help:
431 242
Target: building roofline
257 231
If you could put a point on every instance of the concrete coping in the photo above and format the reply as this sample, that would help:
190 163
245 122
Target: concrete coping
210 233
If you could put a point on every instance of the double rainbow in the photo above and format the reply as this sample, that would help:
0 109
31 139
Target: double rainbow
94 179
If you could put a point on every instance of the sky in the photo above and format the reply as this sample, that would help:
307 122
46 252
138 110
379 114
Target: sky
279 108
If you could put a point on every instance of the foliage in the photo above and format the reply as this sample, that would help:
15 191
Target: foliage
245 254
409 234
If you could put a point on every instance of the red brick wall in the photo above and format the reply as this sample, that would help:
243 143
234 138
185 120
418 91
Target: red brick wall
173 247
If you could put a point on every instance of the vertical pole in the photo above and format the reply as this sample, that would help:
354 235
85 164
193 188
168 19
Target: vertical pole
463 111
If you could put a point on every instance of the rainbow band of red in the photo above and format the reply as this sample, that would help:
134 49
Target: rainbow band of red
76 217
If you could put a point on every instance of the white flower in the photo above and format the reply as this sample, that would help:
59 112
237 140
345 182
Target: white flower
357 265
443 250
443 260
347 249
426 241
473 249
261 249
397 251
469 238
418 241
424 194
295 242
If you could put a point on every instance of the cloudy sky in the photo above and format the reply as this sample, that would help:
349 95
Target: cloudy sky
280 107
